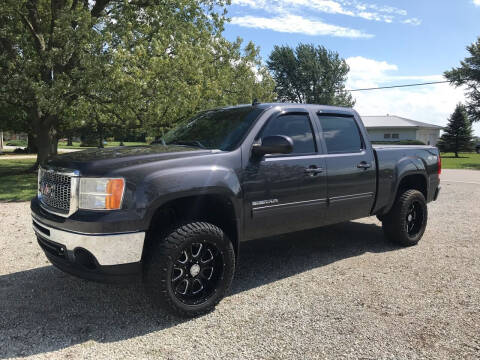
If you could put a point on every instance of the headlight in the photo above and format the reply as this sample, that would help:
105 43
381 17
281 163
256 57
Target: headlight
101 193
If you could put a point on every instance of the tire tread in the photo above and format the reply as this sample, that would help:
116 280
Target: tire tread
160 254
392 224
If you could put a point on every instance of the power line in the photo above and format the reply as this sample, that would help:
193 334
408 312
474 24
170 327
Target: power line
400 86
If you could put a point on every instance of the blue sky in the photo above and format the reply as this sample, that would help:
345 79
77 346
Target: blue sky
385 43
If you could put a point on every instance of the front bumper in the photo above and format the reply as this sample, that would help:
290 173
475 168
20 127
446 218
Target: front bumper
101 257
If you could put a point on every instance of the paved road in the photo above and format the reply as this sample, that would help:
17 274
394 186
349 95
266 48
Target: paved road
338 292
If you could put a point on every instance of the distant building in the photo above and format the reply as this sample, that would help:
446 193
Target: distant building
395 128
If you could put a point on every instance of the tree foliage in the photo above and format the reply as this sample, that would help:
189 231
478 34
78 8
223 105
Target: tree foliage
309 74
119 64
457 135
468 73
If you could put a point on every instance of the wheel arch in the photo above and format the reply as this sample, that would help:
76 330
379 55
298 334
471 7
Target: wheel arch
412 180
216 208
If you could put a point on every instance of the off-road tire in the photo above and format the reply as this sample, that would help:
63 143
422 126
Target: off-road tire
396 223
165 251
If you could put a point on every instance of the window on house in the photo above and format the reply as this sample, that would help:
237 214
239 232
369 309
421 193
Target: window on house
395 136
386 136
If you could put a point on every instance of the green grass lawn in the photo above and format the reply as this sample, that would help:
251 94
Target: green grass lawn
19 143
16 183
464 161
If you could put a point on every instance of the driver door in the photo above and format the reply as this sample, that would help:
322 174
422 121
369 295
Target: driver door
286 192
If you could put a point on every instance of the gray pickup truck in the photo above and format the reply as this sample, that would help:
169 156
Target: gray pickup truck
174 213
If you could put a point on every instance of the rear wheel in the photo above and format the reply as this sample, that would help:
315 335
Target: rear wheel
190 270
407 220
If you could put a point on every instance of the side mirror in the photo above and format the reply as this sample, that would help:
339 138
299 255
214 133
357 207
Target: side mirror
275 144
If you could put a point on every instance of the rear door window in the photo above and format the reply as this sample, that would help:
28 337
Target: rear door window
341 134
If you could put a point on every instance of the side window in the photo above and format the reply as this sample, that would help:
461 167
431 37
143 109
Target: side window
297 127
341 134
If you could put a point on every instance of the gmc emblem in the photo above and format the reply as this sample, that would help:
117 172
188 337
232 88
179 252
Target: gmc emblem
47 190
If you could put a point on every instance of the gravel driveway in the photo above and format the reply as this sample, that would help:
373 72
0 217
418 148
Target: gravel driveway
337 292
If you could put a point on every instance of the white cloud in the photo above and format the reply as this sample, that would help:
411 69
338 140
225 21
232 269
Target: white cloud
432 103
413 21
476 2
297 24
352 8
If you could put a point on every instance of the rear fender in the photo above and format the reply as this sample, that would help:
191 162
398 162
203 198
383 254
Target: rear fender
405 167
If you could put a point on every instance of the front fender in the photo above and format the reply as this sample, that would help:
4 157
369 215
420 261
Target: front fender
166 185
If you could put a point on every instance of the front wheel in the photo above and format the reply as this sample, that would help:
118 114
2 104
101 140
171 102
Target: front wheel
190 270
407 220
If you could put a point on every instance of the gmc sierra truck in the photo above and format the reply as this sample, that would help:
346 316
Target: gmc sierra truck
174 213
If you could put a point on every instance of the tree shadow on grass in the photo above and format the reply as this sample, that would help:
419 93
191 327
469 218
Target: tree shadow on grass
18 187
43 309
18 180
474 166
453 157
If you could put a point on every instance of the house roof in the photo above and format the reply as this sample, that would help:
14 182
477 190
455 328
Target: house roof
393 121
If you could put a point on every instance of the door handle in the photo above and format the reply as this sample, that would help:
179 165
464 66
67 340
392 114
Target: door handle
313 170
364 165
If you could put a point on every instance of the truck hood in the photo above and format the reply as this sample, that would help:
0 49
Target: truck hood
103 161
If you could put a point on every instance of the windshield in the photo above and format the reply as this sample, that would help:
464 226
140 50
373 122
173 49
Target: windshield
221 129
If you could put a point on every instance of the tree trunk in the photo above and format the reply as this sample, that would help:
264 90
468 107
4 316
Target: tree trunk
44 145
31 144
456 146
46 140
100 134
70 141
54 144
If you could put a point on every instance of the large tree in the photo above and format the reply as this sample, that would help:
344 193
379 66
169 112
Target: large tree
45 48
309 74
457 135
468 74
111 63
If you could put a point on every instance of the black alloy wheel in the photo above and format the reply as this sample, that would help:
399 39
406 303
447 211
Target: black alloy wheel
189 270
414 218
197 272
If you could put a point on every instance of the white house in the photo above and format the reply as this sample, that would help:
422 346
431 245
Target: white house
396 128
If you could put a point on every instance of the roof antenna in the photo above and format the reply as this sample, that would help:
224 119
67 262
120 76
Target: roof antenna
255 102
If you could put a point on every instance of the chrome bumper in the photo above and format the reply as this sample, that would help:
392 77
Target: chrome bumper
108 249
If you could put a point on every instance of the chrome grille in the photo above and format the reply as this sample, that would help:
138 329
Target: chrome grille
54 189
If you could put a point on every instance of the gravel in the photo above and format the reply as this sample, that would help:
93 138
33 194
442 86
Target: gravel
336 292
